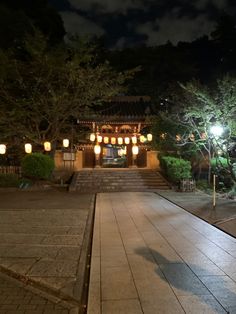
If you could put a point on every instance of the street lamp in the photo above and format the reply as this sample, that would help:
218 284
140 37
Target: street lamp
216 130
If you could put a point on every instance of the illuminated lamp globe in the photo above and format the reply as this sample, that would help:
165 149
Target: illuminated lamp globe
28 148
149 137
216 130
3 149
113 140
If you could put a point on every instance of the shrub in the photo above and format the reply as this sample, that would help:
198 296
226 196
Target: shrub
176 169
37 166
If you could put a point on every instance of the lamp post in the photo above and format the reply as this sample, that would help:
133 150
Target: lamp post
217 131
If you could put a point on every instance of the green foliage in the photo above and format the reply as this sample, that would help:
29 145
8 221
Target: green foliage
218 164
9 180
203 185
45 90
37 166
176 169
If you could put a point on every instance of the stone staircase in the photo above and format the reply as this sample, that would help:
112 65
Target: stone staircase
107 180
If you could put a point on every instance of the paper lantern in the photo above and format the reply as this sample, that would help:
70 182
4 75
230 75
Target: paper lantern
135 150
120 140
99 138
134 139
106 140
66 142
92 137
47 146
127 140
149 137
28 148
97 149
3 149
113 140
142 138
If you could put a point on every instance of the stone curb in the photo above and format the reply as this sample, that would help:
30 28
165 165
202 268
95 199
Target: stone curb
81 286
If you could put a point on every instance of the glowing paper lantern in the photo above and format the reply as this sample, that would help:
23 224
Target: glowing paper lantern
106 140
127 140
134 139
99 138
142 138
47 146
113 140
97 149
120 140
92 137
3 149
149 137
28 148
66 142
135 150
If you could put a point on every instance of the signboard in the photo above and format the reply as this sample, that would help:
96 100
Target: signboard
69 156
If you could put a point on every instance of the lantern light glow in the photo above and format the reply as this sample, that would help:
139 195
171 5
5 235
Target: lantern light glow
127 140
149 137
66 142
97 149
92 137
28 148
134 139
47 146
135 150
3 149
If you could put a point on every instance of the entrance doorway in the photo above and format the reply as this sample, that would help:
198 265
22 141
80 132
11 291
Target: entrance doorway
114 156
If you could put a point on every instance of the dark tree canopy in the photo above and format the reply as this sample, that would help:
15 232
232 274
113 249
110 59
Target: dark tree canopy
18 18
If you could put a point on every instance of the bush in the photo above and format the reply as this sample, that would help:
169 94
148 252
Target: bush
176 169
37 166
9 180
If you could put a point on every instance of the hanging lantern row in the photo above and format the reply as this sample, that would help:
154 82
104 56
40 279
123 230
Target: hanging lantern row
121 152
28 147
120 140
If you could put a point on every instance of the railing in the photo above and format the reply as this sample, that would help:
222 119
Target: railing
10 169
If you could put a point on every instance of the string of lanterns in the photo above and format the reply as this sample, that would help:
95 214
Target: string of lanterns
28 147
119 140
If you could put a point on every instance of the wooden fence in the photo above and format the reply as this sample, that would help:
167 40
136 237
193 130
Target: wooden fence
10 169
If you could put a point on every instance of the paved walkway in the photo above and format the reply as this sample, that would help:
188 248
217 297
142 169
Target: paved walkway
151 256
42 244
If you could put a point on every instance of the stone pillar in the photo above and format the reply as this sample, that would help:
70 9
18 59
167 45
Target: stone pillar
152 160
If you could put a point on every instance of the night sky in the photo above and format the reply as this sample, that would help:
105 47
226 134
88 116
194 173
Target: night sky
127 23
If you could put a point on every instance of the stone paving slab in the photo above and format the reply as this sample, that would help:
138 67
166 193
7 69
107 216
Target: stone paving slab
42 239
151 256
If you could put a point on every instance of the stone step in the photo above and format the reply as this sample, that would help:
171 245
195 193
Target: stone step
113 180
